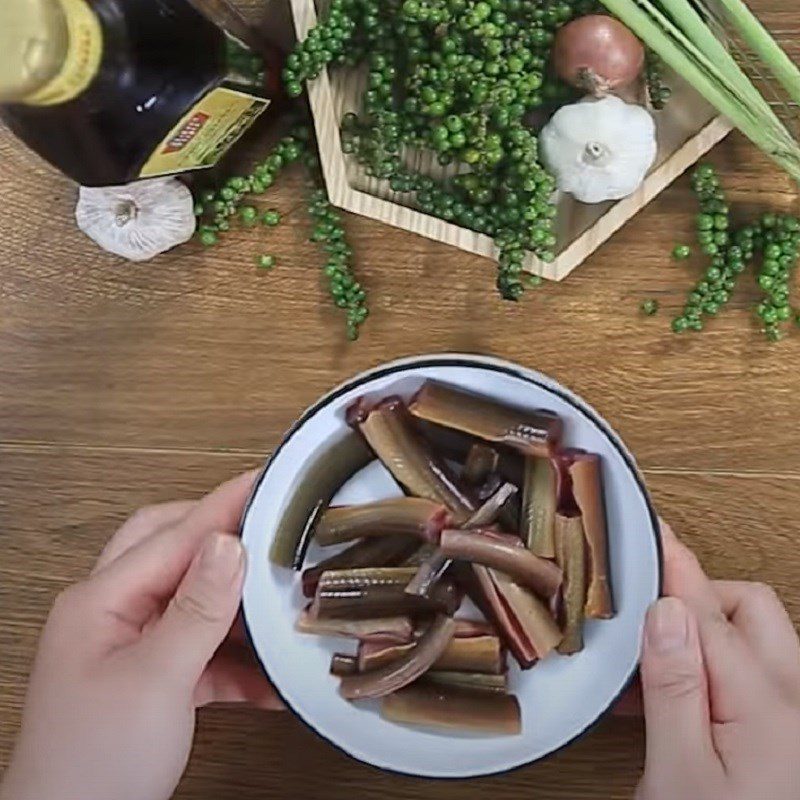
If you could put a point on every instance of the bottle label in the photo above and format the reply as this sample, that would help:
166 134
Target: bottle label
205 133
82 59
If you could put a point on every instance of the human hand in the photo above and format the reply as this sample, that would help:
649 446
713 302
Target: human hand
129 653
721 686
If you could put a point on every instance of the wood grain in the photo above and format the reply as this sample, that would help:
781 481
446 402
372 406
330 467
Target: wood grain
126 384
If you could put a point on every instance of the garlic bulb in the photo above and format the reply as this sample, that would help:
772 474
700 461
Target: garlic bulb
599 149
139 220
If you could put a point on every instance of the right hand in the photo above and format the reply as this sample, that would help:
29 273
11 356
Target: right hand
721 686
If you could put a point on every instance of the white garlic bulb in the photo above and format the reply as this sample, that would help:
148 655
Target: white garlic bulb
139 220
599 149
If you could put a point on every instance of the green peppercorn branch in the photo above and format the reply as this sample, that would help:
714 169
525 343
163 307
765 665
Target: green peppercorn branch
216 207
346 291
658 92
775 237
455 79
713 290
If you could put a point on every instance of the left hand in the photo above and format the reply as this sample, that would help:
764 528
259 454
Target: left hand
128 654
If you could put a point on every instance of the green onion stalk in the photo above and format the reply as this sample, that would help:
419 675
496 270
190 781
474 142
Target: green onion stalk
764 46
684 40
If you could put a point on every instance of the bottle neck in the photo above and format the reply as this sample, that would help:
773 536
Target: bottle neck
52 50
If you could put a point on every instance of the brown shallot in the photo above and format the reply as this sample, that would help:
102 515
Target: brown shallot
597 54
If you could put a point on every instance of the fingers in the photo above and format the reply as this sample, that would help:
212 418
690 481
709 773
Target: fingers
222 509
202 611
234 676
144 523
760 617
139 582
675 693
735 676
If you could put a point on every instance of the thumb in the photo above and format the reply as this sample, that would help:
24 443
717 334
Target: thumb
201 613
675 693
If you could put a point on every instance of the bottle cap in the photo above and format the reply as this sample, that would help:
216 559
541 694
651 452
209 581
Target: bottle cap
33 44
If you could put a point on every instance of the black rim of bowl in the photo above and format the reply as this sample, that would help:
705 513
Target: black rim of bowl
506 368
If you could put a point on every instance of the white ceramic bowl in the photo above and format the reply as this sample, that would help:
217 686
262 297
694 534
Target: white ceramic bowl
562 696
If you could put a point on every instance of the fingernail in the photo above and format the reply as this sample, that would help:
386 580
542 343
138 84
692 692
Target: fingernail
222 557
668 625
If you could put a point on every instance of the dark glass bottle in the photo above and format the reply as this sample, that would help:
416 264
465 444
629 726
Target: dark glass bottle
109 91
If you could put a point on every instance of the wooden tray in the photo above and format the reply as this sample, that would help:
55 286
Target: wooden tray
687 129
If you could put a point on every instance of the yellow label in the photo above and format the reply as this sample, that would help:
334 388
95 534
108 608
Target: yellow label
82 59
205 133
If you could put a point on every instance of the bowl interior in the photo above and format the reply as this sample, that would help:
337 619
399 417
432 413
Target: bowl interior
561 697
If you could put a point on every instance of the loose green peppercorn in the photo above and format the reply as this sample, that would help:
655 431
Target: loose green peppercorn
248 214
270 218
649 307
681 252
265 261
208 237
705 222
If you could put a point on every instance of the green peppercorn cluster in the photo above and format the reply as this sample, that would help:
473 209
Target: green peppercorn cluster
657 90
325 44
453 80
234 200
713 222
775 237
346 291
216 207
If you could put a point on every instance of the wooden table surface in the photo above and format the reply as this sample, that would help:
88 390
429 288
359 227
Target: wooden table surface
122 385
